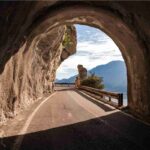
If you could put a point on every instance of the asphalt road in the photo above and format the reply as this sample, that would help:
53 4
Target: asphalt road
70 121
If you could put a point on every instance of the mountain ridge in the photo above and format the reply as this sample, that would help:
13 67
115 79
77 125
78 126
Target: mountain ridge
113 73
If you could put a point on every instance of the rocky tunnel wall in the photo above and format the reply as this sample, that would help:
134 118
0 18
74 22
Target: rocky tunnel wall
127 23
30 72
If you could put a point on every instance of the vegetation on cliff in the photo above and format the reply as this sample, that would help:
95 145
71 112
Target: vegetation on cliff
67 42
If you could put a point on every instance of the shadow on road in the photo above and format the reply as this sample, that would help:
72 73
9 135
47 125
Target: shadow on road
113 132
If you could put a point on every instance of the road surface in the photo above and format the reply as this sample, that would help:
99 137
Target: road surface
70 121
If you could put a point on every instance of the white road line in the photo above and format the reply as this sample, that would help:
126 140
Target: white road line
87 109
91 112
19 140
100 119
124 113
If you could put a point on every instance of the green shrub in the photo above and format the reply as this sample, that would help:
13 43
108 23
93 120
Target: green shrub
67 39
93 81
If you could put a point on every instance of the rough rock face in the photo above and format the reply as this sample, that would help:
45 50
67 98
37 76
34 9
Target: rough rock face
82 72
127 23
30 73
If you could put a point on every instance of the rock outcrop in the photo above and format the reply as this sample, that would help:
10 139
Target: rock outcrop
30 73
82 72
23 23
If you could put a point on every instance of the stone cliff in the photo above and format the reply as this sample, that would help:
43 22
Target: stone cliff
25 26
82 72
30 73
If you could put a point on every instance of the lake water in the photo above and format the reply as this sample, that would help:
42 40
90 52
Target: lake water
125 99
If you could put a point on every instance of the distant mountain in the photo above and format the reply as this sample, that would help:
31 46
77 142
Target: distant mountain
69 80
113 73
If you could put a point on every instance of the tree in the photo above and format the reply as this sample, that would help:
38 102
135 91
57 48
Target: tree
93 81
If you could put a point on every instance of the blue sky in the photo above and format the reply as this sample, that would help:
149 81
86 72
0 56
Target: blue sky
94 48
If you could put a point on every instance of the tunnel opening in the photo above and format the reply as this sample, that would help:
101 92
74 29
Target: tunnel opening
121 34
29 60
28 83
100 56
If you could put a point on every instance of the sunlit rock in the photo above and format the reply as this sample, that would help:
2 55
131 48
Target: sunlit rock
30 73
24 24
82 72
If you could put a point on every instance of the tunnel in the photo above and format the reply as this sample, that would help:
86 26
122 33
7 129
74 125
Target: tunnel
27 27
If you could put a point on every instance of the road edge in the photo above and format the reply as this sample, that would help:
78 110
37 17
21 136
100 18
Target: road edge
18 141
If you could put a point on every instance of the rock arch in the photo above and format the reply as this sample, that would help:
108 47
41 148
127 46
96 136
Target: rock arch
120 21
126 39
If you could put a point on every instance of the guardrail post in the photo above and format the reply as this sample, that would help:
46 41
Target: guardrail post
120 100
109 99
104 94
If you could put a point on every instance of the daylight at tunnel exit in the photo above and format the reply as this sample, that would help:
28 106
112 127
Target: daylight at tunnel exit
74 75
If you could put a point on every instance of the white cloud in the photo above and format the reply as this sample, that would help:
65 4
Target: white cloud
90 52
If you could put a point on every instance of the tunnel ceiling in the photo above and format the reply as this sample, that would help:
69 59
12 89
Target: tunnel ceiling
31 41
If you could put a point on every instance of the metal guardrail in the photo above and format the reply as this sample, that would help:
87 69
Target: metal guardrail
105 96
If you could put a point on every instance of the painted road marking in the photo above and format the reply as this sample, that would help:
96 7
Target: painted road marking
19 140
